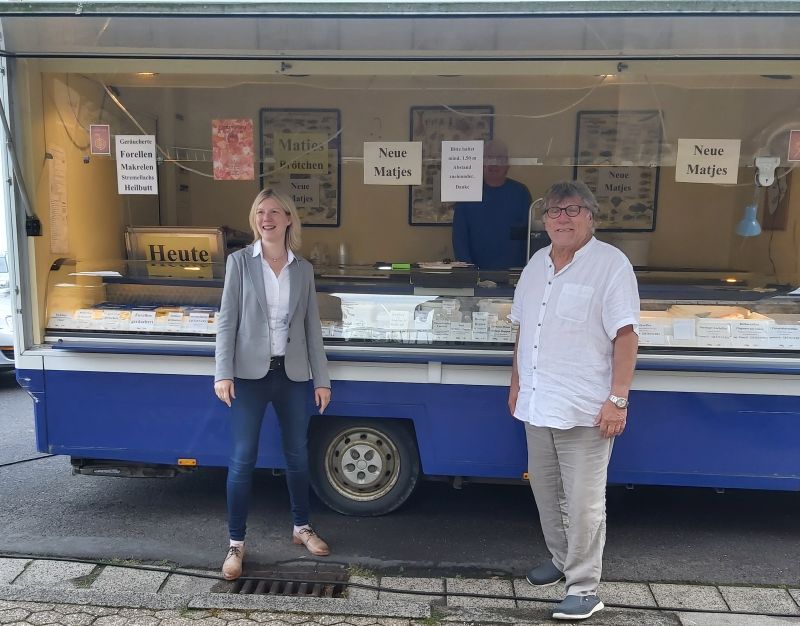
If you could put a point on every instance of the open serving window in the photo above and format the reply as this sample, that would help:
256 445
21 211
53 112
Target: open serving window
691 154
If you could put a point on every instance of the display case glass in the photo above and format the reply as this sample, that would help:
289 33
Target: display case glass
373 308
118 299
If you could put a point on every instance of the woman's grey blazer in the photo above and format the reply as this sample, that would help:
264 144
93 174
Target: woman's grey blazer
243 342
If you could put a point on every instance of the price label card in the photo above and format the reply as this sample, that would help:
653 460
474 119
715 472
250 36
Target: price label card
174 321
784 336
714 333
83 318
480 326
480 334
142 321
501 333
398 319
652 334
750 334
441 330
112 319
460 331
197 323
60 319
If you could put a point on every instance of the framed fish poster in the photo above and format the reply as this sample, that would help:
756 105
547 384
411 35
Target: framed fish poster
301 154
617 155
431 125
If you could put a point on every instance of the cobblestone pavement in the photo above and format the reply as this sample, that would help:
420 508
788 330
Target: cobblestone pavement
40 614
38 591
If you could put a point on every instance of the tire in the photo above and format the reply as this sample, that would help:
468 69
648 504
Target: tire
363 467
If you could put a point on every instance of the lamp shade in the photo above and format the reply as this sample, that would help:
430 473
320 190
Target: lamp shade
748 226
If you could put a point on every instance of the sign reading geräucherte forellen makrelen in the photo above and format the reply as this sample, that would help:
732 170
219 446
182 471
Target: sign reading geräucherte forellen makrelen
136 165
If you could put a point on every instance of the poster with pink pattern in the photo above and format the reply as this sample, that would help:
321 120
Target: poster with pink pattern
232 147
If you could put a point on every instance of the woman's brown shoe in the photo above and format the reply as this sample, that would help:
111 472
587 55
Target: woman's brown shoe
311 540
232 566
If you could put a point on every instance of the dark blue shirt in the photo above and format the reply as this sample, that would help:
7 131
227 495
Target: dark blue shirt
491 233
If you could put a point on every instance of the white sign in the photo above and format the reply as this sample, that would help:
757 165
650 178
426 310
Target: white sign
392 163
136 165
197 322
462 171
707 161
784 336
142 320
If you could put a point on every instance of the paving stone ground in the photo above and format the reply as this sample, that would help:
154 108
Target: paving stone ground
38 592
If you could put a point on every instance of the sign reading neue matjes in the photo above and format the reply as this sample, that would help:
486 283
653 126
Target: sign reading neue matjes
393 163
707 161
136 165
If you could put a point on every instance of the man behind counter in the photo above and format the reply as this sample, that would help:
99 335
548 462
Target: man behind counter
491 233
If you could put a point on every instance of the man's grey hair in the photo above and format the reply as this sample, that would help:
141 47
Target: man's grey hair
495 152
568 189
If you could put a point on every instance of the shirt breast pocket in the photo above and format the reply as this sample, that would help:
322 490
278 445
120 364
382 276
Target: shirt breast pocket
574 302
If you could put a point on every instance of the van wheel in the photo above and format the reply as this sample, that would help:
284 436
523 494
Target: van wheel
363 467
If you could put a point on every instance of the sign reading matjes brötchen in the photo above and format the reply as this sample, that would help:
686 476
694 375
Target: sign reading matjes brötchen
301 153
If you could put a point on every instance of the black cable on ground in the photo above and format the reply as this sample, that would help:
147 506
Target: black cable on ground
379 588
33 458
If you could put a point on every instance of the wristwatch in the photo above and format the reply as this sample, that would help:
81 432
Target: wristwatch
620 402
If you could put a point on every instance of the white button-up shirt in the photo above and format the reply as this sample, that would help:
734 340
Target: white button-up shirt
568 322
277 290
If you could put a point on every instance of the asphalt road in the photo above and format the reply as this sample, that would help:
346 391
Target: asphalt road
654 534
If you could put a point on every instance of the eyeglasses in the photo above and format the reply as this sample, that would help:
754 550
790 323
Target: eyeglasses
572 210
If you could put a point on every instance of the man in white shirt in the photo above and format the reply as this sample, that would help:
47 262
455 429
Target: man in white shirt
577 304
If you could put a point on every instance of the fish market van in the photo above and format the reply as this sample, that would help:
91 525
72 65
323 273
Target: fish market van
139 133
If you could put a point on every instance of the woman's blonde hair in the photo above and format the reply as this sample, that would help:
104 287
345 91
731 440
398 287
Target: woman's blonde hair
293 236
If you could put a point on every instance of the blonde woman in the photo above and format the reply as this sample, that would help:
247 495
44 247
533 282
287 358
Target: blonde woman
269 344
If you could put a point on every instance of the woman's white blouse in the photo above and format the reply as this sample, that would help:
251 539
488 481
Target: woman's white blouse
277 290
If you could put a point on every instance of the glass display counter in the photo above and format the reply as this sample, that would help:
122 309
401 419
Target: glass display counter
368 307
119 300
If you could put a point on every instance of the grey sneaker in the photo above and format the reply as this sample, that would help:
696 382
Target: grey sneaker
544 575
577 607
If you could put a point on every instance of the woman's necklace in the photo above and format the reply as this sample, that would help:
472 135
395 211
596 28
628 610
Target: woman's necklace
275 259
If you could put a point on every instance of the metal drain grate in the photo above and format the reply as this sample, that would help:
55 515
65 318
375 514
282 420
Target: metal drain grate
301 584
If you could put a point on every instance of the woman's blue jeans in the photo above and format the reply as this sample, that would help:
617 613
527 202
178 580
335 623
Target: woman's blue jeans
247 414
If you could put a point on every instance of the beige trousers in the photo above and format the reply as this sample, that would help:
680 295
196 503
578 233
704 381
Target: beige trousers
567 471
